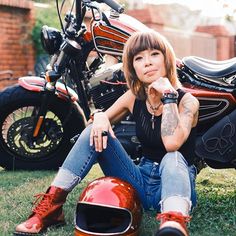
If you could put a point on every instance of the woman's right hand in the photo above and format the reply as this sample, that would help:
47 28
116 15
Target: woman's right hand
99 132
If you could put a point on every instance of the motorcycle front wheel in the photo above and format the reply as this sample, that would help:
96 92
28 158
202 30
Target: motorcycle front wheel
18 148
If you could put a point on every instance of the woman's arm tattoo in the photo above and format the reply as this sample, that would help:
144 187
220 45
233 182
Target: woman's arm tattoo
171 118
170 121
188 115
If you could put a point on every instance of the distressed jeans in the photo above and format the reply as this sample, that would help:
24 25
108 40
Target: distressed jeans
153 181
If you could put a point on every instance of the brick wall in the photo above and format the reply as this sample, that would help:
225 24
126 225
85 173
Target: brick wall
148 17
191 44
16 47
225 41
211 42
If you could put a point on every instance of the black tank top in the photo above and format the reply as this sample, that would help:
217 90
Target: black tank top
150 139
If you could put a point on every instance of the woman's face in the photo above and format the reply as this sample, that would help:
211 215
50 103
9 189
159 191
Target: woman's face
149 65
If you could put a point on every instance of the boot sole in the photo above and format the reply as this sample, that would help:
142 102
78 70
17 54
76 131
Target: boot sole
43 231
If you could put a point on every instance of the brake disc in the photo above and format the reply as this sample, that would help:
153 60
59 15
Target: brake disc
20 137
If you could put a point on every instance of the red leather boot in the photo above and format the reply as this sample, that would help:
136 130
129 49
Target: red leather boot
48 212
172 224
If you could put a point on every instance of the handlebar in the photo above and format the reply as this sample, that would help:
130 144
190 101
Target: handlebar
71 48
80 10
113 4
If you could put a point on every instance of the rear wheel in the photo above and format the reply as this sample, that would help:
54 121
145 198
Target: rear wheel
18 148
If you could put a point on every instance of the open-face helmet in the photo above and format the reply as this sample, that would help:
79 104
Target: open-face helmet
108 206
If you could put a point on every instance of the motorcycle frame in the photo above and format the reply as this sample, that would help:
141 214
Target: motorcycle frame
75 71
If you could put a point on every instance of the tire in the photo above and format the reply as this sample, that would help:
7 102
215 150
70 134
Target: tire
50 148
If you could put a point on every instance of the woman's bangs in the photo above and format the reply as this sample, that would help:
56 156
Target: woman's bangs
145 42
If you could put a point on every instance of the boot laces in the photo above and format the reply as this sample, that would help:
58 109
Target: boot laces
42 203
174 216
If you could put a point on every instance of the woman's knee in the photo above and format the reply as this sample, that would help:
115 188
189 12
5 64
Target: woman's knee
173 160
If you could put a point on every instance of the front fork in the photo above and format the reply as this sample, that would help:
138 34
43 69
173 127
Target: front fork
52 88
49 90
41 114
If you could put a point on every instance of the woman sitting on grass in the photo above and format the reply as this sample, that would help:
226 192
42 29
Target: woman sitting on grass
165 119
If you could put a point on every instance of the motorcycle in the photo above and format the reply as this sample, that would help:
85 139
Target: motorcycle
42 115
213 83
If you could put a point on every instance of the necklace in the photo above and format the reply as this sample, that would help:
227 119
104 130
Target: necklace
154 109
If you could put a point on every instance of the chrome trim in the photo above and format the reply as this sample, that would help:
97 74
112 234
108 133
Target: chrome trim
106 49
229 80
104 234
220 80
205 107
112 28
74 44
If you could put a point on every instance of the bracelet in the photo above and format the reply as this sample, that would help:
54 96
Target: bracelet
169 97
91 117
169 100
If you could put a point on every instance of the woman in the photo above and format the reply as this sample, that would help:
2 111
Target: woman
165 119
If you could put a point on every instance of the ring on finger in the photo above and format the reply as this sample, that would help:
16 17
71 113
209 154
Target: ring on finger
104 133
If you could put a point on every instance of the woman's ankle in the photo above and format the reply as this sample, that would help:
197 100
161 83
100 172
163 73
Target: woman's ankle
65 179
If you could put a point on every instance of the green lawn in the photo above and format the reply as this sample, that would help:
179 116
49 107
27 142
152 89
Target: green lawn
215 214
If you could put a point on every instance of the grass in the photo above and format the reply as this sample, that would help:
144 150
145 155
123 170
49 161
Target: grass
214 215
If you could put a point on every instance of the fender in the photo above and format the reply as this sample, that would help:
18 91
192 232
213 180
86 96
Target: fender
38 84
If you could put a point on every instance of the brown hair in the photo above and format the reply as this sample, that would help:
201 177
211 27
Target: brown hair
140 41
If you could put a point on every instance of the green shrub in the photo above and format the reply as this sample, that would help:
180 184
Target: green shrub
44 16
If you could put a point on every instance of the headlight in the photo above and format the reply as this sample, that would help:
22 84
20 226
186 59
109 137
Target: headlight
51 39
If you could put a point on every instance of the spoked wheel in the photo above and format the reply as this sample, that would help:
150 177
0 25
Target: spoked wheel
17 132
19 149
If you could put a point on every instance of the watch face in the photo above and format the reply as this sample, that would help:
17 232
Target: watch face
170 95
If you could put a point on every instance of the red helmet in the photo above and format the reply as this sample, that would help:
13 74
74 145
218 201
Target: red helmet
108 206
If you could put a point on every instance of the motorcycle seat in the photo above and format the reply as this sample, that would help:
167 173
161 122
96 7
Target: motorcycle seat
214 70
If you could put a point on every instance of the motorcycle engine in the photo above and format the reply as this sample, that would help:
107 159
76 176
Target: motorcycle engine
107 86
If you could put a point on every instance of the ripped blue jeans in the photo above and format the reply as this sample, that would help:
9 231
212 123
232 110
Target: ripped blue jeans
153 181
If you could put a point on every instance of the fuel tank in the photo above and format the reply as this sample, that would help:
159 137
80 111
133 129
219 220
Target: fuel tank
111 33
